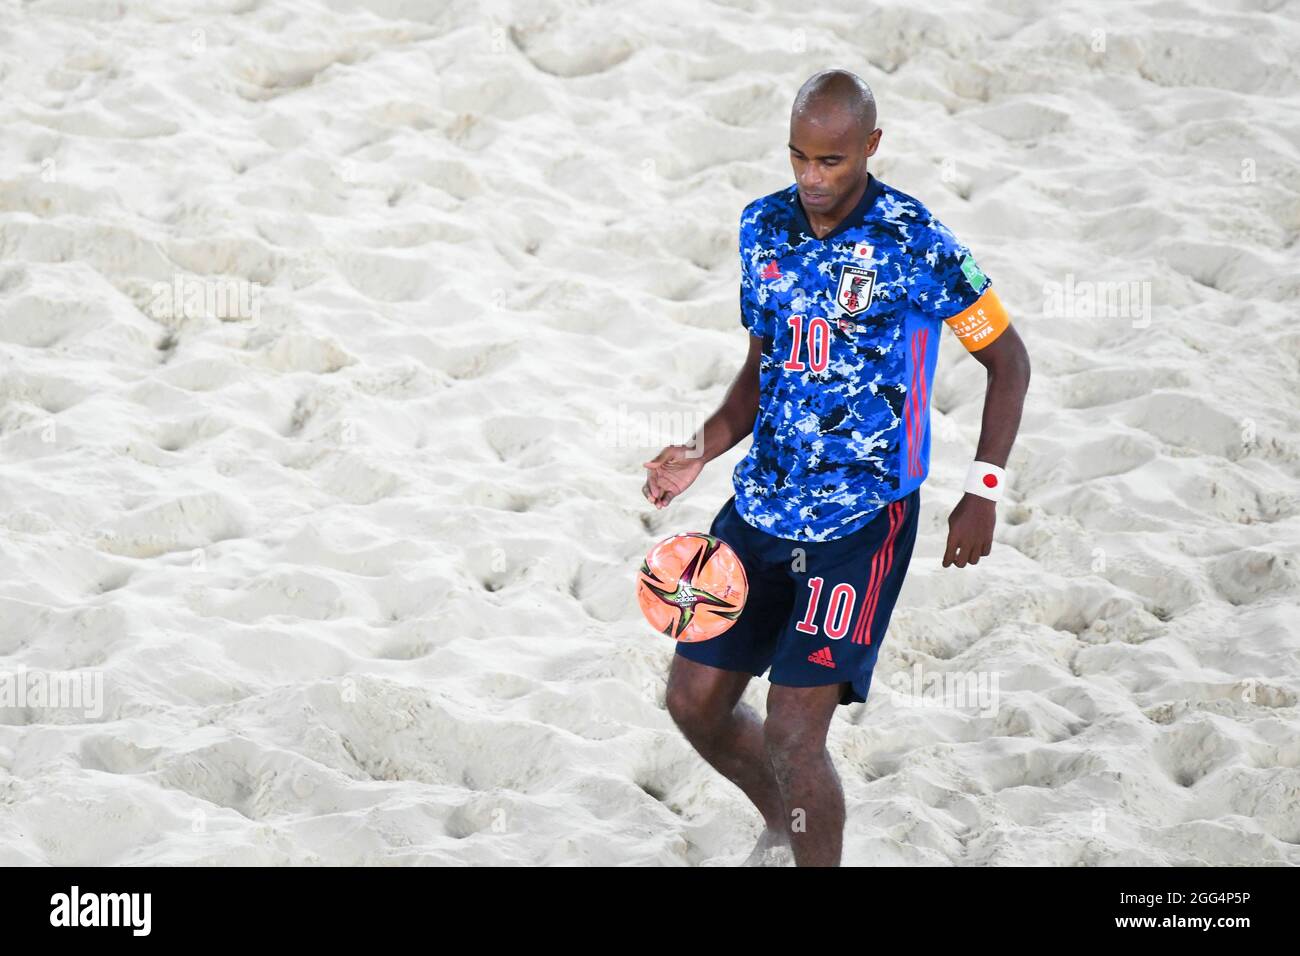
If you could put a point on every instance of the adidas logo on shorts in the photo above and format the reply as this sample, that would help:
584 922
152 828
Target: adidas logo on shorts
822 657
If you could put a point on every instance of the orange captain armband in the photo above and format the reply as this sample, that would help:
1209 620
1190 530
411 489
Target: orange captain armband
981 323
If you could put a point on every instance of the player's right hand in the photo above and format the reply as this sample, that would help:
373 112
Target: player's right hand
671 472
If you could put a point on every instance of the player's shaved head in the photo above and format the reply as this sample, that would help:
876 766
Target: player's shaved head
836 96
832 135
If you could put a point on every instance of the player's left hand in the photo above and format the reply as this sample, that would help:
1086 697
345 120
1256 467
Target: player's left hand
970 531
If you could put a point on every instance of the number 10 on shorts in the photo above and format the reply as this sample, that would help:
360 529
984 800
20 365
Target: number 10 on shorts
839 608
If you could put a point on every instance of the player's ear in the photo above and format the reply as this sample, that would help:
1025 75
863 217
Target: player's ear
873 141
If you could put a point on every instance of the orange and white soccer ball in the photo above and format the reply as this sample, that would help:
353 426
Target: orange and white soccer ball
692 587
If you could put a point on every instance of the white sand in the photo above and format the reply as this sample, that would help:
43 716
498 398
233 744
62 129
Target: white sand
357 573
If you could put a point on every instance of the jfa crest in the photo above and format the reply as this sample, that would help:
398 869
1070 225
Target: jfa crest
854 293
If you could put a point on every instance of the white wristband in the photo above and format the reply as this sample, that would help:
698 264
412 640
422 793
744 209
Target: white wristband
985 480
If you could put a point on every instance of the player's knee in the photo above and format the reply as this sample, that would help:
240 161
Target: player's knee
785 737
689 709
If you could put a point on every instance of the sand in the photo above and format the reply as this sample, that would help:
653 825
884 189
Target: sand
333 335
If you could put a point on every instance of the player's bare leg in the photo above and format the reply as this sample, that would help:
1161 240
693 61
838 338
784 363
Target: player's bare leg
705 703
795 735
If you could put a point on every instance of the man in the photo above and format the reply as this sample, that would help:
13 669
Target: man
845 284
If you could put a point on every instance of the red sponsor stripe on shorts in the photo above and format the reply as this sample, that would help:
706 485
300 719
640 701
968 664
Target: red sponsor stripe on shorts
866 597
889 563
881 562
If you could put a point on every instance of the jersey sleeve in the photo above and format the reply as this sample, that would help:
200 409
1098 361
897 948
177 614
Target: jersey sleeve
751 310
950 287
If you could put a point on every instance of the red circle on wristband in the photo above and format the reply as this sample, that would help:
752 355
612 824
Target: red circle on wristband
990 481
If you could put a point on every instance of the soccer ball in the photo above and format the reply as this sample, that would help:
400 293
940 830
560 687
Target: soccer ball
692 587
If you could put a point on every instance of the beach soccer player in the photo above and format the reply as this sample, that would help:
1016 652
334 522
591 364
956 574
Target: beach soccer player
845 286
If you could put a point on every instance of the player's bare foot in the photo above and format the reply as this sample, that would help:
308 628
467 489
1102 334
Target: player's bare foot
772 849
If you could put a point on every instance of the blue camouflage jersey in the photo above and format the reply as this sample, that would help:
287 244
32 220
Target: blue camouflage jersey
850 326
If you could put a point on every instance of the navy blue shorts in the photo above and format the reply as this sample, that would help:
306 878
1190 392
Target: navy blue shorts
817 610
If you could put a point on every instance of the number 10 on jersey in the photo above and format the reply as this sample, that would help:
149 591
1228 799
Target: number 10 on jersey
818 335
